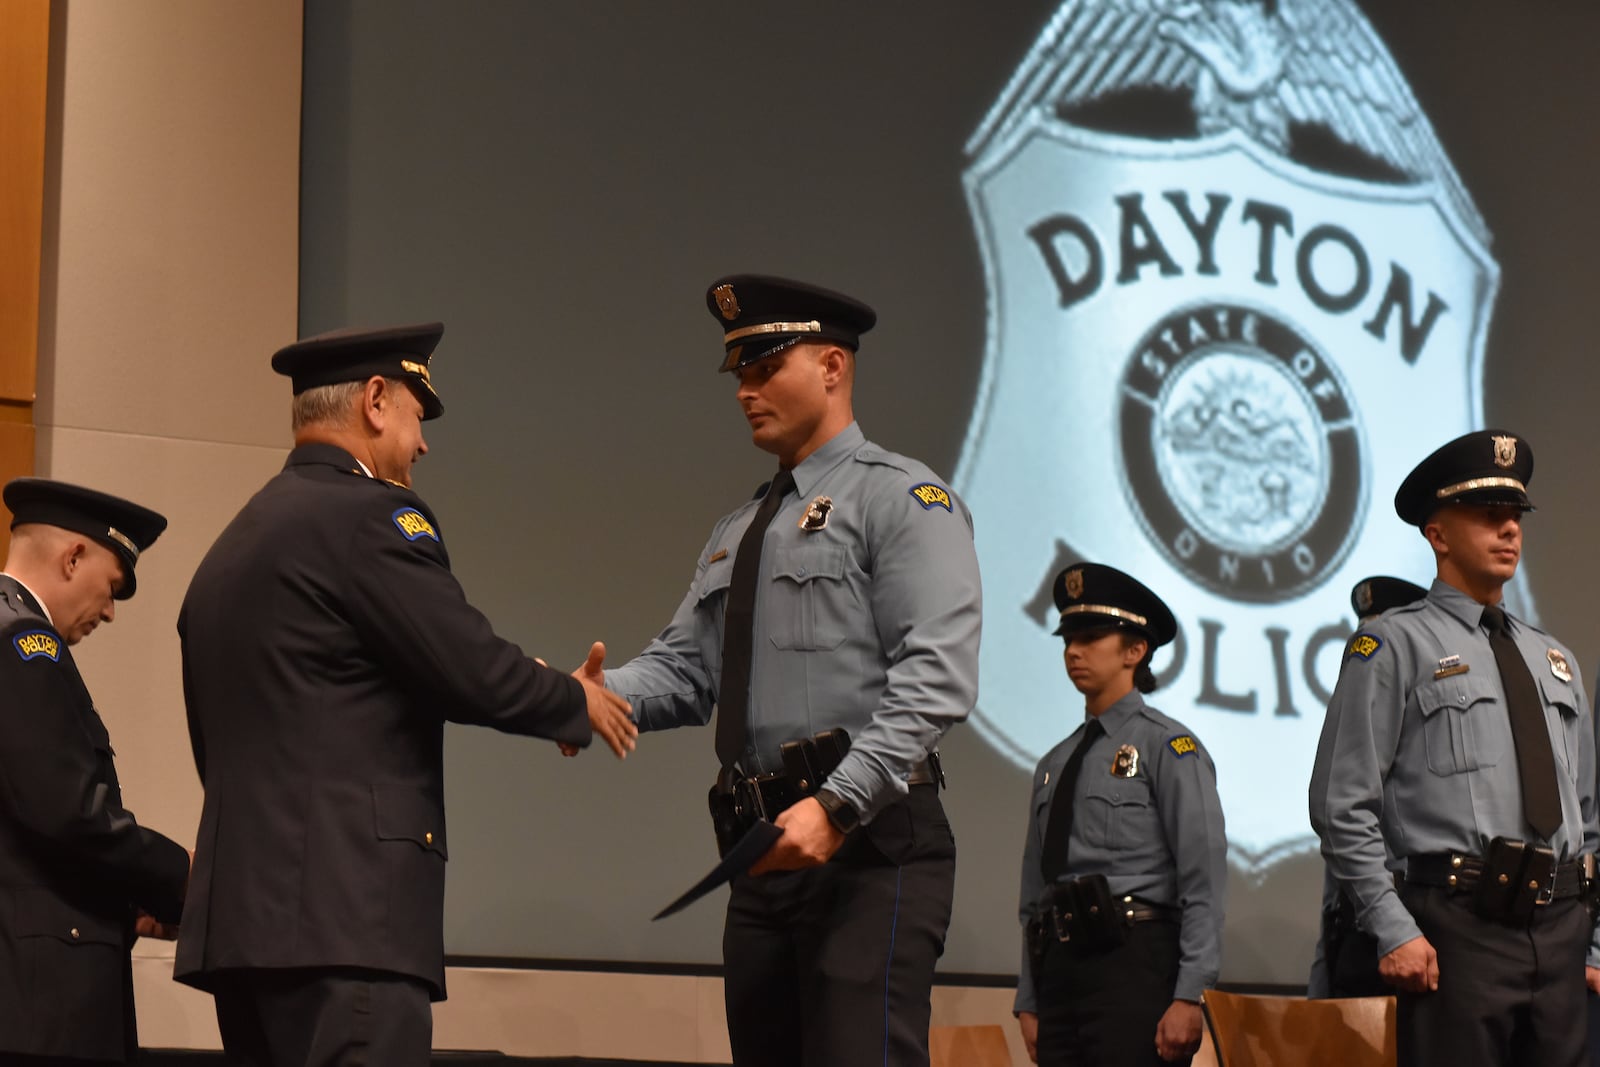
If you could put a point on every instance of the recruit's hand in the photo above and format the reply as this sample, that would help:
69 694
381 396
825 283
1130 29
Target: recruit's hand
1030 1033
609 714
1414 967
1178 1032
809 839
1591 978
145 925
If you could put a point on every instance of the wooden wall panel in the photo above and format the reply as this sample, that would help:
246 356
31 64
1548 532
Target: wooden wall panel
24 66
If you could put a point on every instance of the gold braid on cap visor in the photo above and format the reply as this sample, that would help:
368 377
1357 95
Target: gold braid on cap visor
122 539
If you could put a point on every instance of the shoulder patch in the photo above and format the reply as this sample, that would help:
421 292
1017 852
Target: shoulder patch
931 496
1183 745
31 644
413 524
1362 646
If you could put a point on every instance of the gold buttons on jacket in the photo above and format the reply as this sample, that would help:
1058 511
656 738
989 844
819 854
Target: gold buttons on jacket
75 934
428 837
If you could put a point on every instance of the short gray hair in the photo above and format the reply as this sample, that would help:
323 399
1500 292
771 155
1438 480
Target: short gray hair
324 404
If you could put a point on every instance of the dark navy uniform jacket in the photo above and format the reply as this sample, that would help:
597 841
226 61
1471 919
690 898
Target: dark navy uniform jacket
325 644
73 862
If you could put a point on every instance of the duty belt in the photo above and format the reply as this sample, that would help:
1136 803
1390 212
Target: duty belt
1510 883
1084 912
1547 881
738 801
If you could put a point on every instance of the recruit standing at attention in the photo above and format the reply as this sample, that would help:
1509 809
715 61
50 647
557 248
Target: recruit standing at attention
1458 752
1125 863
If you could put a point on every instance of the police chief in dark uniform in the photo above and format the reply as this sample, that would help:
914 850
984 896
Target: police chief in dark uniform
1345 961
325 644
1458 751
1125 864
79 877
842 602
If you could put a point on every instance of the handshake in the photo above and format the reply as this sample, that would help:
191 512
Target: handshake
609 715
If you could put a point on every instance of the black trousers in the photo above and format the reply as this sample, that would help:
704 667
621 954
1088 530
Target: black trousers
1508 996
324 1017
833 966
1100 1007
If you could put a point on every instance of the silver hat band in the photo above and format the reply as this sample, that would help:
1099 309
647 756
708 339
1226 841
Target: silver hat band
122 539
1103 609
1481 483
771 327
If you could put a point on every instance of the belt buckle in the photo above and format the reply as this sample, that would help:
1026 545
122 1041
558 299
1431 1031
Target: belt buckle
1063 928
1547 893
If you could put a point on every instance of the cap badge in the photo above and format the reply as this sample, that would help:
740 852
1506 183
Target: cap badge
1126 762
816 516
1505 451
1074 582
727 303
1558 665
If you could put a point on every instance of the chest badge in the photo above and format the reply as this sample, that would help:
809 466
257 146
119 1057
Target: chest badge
1558 665
816 516
1125 764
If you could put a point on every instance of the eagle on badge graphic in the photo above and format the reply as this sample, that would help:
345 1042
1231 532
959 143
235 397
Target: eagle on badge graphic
1294 75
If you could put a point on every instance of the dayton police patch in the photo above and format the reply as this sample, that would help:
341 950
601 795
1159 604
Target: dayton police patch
412 523
931 496
1183 745
1362 647
36 643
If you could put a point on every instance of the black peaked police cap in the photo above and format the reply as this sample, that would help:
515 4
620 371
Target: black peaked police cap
124 527
400 352
1482 467
1092 596
1380 593
762 315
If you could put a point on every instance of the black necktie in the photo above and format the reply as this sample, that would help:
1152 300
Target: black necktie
1536 763
1059 829
733 692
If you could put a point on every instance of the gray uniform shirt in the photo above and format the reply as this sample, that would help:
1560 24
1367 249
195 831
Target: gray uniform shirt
870 623
1157 835
1418 755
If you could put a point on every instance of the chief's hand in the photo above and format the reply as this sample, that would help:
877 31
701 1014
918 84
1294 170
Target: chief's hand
1178 1032
1030 1033
609 714
145 925
1591 978
809 839
1414 967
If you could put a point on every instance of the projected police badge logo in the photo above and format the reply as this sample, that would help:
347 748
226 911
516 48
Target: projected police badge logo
1236 291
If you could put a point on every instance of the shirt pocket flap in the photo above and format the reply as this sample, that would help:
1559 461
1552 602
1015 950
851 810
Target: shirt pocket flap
1118 791
715 578
1457 693
42 914
806 563
406 814
1559 693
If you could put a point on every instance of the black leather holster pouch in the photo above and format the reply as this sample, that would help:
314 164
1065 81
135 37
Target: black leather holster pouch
738 802
1084 913
1516 878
